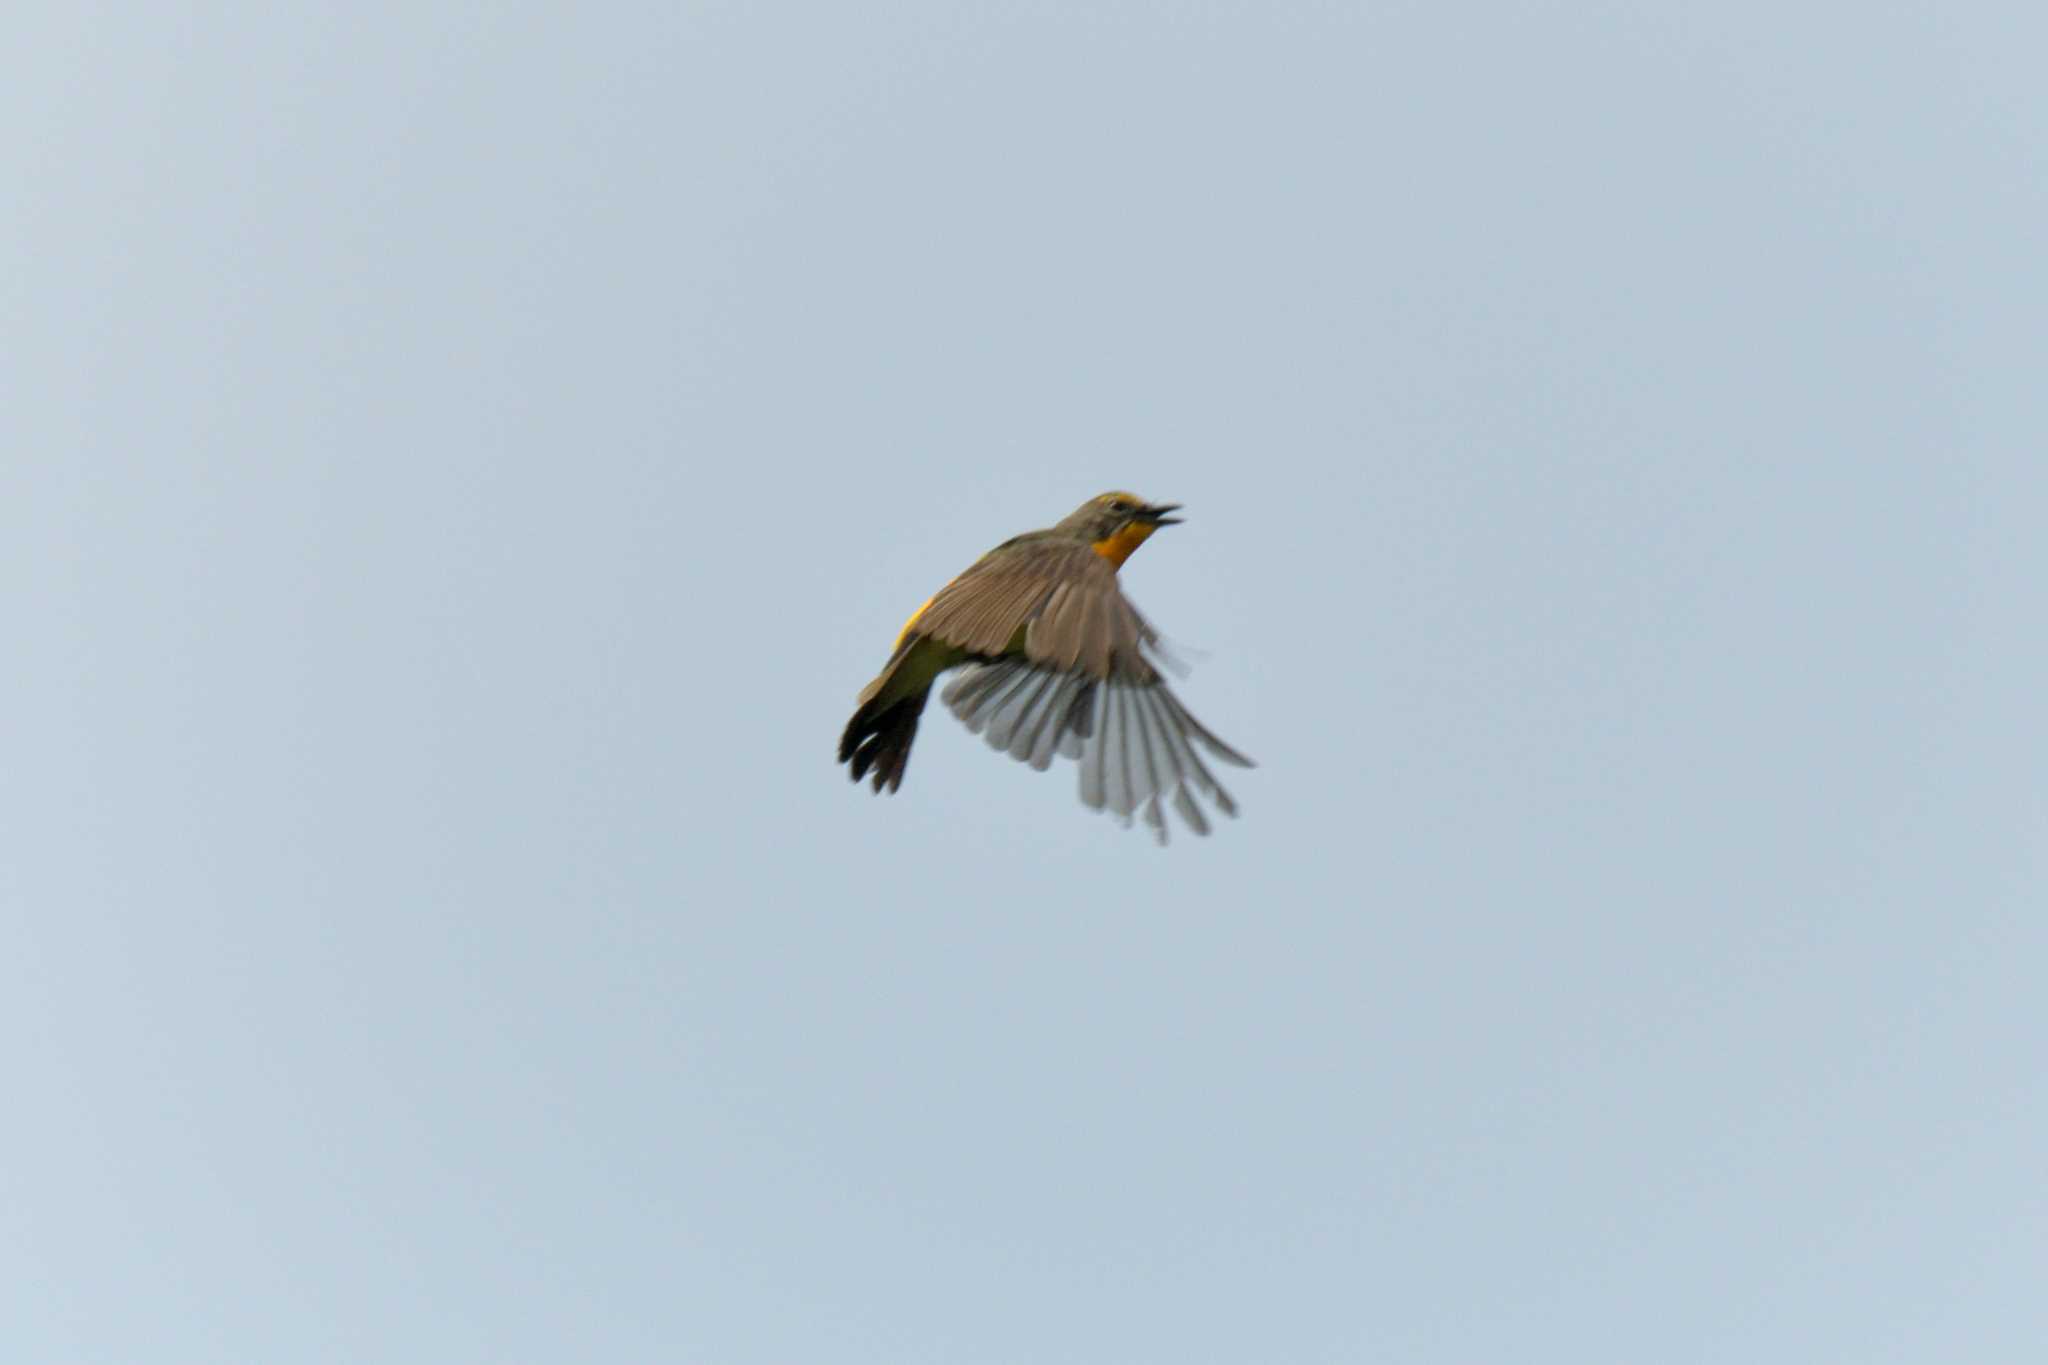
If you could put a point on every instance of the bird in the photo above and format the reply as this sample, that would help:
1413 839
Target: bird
1052 660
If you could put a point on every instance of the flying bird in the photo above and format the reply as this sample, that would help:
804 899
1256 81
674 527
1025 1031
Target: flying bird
1052 660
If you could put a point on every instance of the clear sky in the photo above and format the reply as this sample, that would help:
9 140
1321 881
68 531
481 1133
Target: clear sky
459 462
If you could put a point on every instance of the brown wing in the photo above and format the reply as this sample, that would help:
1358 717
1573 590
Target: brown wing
1082 688
1061 593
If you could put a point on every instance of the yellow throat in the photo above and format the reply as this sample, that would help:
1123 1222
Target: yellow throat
1117 548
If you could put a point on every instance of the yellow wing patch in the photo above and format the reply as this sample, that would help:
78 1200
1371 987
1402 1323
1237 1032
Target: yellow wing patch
914 617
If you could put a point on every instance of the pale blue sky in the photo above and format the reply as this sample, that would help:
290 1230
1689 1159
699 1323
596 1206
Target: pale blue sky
464 460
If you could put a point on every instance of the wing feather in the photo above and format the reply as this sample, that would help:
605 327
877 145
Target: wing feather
1083 687
1135 745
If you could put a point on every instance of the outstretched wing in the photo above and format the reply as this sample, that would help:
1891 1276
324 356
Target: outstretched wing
1082 687
1137 745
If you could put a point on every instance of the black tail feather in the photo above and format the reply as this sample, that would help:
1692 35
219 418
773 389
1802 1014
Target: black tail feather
878 737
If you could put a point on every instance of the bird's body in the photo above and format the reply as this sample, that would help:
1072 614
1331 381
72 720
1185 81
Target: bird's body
1052 661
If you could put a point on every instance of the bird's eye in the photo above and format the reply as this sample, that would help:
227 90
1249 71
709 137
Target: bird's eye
1119 505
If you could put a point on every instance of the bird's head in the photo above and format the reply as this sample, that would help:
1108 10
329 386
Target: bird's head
1117 523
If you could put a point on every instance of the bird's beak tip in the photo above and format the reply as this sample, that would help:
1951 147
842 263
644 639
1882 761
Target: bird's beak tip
1157 514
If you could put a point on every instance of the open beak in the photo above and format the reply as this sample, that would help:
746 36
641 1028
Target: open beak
1156 514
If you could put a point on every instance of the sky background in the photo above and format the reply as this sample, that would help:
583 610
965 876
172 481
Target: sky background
461 461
